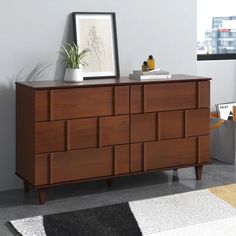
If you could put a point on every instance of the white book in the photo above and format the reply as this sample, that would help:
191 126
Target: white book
149 77
151 72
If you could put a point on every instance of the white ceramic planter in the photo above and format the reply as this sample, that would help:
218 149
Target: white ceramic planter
73 75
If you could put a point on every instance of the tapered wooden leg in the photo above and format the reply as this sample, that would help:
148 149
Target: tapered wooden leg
175 176
109 183
42 195
198 172
26 186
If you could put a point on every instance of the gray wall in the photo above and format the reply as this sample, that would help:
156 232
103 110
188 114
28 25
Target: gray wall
31 33
223 84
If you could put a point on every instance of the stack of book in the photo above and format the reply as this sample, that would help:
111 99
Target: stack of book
150 75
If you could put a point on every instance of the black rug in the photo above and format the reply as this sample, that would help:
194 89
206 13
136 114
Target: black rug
110 220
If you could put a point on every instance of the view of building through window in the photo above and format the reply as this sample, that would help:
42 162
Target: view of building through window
216 26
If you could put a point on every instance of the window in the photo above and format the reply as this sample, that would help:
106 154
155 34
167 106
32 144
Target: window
216 29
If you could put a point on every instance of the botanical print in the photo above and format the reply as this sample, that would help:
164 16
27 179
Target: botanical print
95 44
96 34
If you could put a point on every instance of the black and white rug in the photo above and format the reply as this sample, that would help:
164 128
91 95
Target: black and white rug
203 212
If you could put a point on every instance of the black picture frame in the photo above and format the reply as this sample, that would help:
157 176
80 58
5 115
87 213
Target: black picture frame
97 31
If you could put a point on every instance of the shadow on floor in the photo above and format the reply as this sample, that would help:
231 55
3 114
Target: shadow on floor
129 188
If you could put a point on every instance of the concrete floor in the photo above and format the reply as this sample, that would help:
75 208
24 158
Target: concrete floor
15 204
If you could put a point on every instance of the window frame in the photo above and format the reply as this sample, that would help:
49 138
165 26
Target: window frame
222 56
207 57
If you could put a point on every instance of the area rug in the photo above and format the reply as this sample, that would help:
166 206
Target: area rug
204 212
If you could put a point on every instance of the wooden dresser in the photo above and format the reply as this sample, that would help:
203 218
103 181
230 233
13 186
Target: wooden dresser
101 129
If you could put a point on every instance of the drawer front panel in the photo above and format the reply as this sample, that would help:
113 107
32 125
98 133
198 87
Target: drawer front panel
121 100
198 122
136 97
82 133
42 105
136 157
121 159
81 164
81 102
143 127
171 124
204 94
203 149
114 130
50 136
170 96
170 153
41 169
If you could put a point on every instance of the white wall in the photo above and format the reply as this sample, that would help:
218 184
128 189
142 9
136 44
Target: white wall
223 84
32 32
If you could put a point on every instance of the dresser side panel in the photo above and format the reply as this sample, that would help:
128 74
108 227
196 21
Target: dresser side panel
25 115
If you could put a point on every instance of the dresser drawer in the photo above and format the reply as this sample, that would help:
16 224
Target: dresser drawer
81 164
113 130
82 133
171 124
198 122
170 153
81 102
143 127
50 136
170 96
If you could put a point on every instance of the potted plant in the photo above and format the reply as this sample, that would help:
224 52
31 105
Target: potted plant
73 59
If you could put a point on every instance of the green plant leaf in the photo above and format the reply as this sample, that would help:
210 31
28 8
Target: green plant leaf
72 57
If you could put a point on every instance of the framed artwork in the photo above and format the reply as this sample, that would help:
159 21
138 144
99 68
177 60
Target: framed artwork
97 31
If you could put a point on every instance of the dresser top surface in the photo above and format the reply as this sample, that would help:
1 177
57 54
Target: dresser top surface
49 84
